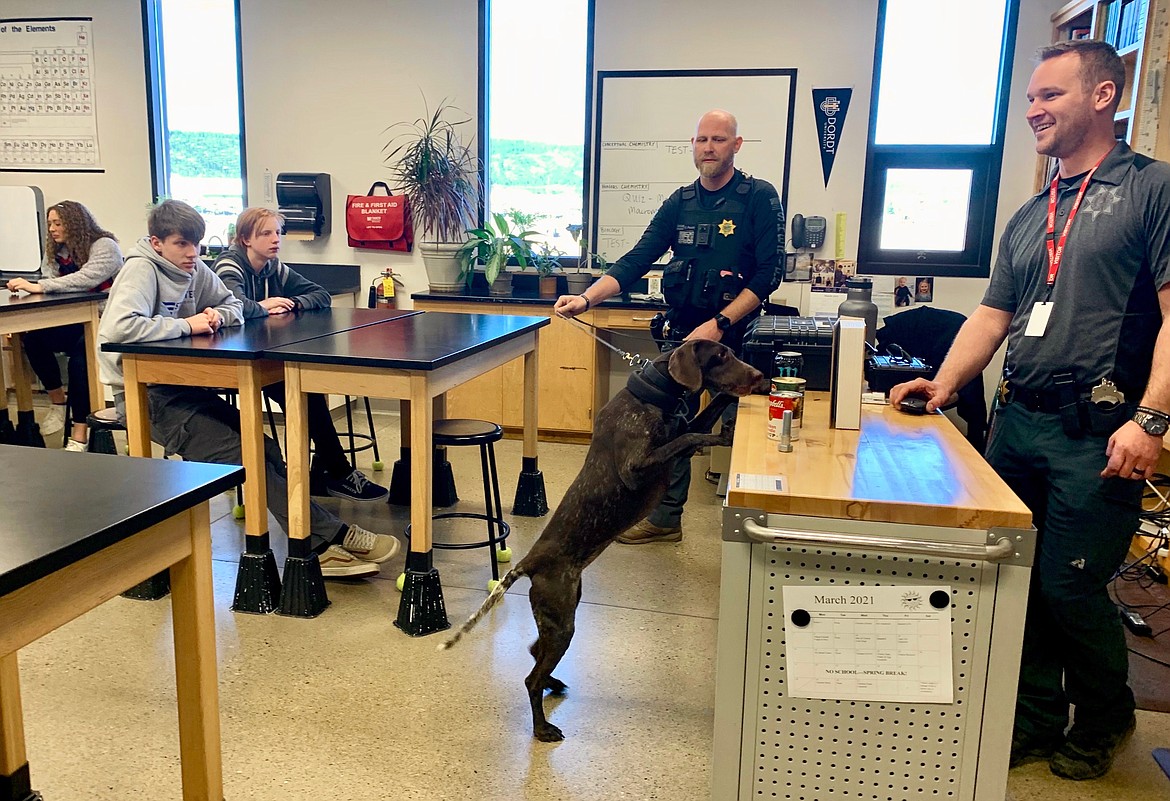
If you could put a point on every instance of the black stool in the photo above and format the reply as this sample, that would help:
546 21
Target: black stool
455 433
370 441
102 425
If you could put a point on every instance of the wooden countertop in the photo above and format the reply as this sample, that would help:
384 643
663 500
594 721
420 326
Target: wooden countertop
898 468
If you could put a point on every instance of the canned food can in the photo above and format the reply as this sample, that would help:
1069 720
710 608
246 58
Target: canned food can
789 363
777 403
789 384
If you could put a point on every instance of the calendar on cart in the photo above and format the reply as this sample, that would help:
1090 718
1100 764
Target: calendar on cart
48 108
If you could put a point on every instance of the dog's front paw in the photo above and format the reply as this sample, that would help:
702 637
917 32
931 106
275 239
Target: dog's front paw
727 433
555 686
547 733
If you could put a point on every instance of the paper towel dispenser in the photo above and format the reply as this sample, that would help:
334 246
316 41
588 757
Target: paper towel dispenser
303 199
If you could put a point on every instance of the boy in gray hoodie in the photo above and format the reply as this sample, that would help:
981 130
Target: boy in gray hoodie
157 296
254 273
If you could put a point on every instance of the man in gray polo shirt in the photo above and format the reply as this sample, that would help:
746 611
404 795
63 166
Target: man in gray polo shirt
1080 291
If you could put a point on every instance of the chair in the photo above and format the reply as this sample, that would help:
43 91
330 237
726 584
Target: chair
927 332
461 432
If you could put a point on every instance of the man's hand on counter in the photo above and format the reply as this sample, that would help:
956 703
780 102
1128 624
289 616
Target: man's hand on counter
936 394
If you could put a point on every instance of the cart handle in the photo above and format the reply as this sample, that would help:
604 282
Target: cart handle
1000 550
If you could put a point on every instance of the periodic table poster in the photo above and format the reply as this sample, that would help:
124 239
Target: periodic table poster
48 112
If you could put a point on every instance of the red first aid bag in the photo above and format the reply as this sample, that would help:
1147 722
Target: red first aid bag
379 222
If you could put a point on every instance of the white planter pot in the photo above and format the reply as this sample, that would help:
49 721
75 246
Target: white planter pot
442 265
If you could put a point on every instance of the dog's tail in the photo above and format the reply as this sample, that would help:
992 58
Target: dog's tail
493 598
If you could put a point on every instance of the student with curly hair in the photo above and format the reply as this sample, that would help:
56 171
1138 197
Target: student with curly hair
80 256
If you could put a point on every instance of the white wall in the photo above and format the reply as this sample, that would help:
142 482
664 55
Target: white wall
322 82
120 196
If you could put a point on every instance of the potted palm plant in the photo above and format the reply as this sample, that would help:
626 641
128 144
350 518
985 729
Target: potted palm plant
499 240
440 174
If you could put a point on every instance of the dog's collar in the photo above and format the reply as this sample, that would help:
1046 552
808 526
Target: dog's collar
658 389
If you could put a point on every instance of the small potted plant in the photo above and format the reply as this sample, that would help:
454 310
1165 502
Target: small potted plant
547 261
493 245
583 277
440 174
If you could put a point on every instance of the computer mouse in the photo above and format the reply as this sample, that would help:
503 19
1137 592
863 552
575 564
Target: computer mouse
912 404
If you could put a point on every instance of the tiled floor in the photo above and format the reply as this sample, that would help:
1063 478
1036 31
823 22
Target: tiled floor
347 707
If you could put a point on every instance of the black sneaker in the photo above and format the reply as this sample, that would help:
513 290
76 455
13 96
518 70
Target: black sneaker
1033 747
1088 755
356 487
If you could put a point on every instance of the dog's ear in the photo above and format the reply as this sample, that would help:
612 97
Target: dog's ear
685 365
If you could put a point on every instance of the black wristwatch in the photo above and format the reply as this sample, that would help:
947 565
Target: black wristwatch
1152 421
722 322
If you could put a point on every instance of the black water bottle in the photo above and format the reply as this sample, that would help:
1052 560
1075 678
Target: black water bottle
859 303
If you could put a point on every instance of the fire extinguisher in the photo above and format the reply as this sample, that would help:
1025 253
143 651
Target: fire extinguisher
382 291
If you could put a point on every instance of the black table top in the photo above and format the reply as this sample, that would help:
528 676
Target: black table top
529 299
62 507
422 342
23 301
255 337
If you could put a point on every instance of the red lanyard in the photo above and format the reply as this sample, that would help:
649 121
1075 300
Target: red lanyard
1056 249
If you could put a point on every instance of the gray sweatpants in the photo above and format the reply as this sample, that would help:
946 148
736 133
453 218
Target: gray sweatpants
200 426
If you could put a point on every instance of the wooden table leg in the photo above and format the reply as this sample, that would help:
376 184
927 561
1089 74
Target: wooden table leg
531 499
97 395
303 593
14 773
27 432
193 612
421 610
7 432
443 491
400 474
137 411
138 439
257 579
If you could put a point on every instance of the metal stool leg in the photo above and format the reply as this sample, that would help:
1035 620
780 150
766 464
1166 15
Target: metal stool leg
378 464
492 539
349 431
502 554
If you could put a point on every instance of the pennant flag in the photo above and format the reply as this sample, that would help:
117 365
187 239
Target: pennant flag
830 107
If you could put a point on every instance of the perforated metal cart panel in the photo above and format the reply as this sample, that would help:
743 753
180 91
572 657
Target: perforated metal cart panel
811 750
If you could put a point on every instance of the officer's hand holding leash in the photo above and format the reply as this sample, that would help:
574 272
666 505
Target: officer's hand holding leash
571 305
1132 453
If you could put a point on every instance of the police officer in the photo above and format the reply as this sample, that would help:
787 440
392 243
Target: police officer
726 234
1081 293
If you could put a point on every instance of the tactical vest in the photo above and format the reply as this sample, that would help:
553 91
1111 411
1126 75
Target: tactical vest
704 275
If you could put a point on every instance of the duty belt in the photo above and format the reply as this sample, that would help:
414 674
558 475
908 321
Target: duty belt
1038 400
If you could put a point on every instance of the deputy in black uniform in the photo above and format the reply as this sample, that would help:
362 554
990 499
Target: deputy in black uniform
726 235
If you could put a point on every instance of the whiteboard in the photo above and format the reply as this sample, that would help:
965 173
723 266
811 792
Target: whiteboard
642 140
22 233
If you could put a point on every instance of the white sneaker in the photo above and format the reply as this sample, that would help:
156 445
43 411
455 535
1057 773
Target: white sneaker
337 562
369 546
75 446
54 419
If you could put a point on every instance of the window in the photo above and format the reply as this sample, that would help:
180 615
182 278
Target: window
193 53
537 59
941 76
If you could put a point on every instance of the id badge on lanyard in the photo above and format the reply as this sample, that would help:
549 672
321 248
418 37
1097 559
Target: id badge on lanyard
1042 310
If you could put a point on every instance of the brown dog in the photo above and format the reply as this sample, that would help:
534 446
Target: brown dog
637 436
